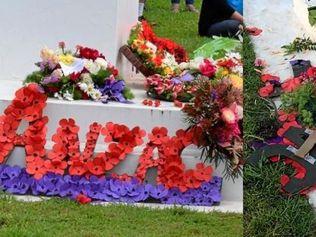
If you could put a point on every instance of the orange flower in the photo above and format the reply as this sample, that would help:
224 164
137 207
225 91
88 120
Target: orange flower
77 168
202 172
56 166
96 166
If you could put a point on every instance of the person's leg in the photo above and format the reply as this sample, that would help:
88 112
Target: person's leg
175 5
227 28
190 6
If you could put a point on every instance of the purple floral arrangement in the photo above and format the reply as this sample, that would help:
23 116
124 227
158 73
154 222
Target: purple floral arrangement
15 180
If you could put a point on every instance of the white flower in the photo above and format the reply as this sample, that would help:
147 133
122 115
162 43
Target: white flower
95 95
195 63
83 86
170 61
151 46
233 55
102 63
58 96
75 67
68 96
184 65
92 67
86 78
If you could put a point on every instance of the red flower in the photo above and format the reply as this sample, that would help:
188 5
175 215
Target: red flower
83 199
96 166
202 172
56 166
254 31
69 125
291 84
158 135
266 90
269 77
286 126
190 179
207 68
284 179
138 135
89 53
74 76
77 168
61 44
311 72
178 103
36 168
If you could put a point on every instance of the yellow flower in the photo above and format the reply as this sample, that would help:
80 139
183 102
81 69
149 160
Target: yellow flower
67 59
225 72
168 71
236 81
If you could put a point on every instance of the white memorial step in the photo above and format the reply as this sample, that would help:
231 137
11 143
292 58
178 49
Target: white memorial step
136 114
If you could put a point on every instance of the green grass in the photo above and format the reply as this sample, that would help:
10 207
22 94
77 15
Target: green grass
181 27
266 211
65 218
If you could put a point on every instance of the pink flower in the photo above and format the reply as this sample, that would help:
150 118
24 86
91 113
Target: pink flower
207 68
260 63
229 116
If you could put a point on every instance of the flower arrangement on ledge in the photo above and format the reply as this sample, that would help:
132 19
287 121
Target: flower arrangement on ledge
84 74
216 116
182 86
160 56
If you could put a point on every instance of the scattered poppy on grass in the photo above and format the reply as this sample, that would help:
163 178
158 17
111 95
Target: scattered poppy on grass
286 126
266 90
291 84
269 77
284 179
83 199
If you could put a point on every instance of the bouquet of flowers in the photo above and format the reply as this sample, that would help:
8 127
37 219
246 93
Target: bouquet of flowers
84 74
216 116
160 56
182 86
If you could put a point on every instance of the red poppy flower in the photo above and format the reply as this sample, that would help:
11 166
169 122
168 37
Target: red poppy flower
286 126
254 31
36 168
185 136
291 84
116 151
59 152
33 113
138 135
127 143
6 136
34 152
89 53
83 199
95 127
96 166
190 179
311 72
285 117
69 125
77 168
159 135
110 160
202 172
108 131
284 179
266 90
269 77
56 166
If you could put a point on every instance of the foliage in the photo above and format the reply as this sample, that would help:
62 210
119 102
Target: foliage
303 101
299 45
64 218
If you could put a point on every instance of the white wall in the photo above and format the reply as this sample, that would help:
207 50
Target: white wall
27 26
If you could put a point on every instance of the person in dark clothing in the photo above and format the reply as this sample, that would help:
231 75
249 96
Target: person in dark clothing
219 18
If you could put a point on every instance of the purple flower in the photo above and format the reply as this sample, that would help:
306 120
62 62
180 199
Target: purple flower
158 192
113 90
49 80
